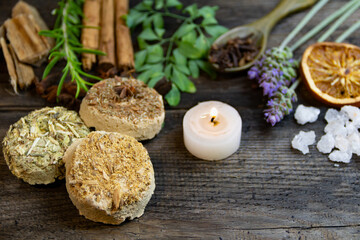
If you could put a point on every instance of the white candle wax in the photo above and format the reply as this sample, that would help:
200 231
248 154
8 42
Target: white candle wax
212 137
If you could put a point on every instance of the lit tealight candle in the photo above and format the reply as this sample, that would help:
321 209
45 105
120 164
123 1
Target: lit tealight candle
212 130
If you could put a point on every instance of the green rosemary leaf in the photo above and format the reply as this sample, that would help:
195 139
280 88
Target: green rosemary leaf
173 97
62 79
50 66
86 50
67 31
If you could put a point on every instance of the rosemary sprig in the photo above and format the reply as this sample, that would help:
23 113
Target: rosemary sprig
180 55
66 32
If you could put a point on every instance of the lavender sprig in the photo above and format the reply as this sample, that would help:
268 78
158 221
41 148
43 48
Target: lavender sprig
281 103
275 69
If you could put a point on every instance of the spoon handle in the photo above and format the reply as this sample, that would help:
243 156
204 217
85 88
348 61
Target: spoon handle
284 8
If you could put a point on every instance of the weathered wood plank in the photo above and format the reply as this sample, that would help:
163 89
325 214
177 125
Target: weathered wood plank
266 190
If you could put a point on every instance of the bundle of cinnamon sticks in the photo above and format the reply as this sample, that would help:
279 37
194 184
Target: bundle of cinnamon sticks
22 46
106 30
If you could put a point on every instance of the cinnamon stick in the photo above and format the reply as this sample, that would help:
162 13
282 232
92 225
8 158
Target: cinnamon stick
24 8
23 35
107 36
90 36
9 64
25 73
124 48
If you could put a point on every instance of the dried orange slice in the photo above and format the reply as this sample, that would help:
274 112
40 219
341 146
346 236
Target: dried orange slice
332 72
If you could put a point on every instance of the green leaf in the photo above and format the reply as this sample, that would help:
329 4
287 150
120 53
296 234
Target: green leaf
190 37
188 50
184 29
50 66
202 45
140 58
134 18
159 4
173 96
173 3
206 67
144 5
160 32
179 58
207 11
183 69
182 82
194 69
145 67
148 34
155 78
155 53
215 30
151 69
142 43
209 21
158 20
192 10
168 71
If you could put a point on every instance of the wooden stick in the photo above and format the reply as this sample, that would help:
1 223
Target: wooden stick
25 73
90 36
24 38
107 37
10 64
26 9
124 48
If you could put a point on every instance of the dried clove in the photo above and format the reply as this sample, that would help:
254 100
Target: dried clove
235 53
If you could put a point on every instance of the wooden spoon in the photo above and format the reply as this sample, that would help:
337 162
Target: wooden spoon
261 28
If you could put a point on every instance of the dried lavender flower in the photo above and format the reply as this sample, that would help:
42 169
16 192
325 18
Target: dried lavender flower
281 104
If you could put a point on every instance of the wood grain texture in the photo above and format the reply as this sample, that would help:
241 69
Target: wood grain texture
266 190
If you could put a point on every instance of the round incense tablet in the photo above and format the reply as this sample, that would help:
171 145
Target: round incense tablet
109 177
124 105
34 146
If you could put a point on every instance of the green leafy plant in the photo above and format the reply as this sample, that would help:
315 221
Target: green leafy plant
175 57
66 32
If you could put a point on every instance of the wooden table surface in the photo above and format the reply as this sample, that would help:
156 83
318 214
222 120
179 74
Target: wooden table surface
266 190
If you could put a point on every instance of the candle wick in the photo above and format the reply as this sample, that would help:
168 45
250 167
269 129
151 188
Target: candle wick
212 119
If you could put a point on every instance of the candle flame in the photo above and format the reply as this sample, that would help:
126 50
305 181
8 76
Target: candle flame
213 114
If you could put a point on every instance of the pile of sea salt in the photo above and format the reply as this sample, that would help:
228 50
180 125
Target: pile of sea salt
341 138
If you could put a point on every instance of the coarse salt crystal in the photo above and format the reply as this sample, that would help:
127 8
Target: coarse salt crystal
326 143
339 156
305 114
332 115
302 141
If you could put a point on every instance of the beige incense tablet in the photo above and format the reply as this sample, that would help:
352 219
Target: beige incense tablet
34 146
109 177
124 105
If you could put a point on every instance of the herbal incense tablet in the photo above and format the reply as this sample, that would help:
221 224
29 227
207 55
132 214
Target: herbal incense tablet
124 105
34 146
109 177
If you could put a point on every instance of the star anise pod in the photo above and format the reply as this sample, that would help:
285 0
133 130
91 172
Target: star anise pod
125 91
